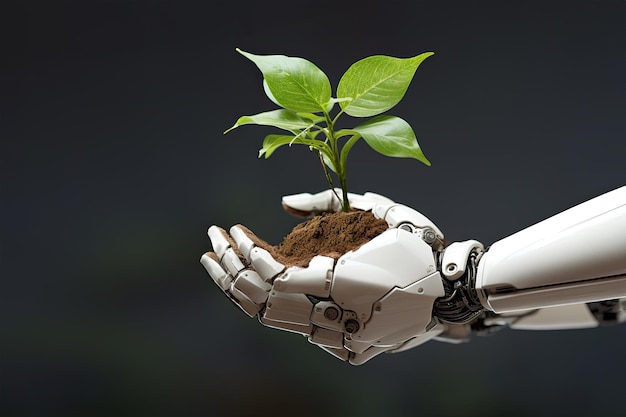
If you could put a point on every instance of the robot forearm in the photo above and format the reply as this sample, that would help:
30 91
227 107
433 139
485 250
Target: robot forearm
577 256
564 272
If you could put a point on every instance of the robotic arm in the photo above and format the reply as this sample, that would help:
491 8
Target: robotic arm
405 286
566 272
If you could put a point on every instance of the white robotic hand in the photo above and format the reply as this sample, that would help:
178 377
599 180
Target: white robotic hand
405 286
378 298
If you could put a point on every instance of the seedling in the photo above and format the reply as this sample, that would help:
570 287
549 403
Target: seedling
369 87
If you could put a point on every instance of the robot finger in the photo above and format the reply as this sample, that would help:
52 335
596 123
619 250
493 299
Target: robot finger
404 217
316 279
368 201
250 247
251 291
306 204
227 251
243 241
246 288
219 240
211 263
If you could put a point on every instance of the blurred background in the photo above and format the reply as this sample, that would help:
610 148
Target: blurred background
113 166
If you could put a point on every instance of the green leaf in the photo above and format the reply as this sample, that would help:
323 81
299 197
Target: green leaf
329 162
391 136
282 119
273 142
312 117
294 83
377 83
269 94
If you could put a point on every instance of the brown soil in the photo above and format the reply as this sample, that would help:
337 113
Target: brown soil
327 234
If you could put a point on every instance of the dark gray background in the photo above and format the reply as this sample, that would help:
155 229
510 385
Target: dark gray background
114 165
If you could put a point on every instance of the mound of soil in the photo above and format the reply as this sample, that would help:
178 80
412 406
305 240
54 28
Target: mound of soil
327 234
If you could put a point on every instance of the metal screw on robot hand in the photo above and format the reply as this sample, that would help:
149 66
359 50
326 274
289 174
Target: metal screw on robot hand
429 235
331 313
351 326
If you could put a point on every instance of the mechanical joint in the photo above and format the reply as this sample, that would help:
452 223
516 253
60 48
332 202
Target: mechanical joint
461 303
455 258
328 315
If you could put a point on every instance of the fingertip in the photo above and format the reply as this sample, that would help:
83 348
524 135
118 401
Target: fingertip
296 213
219 239
244 243
211 264
209 255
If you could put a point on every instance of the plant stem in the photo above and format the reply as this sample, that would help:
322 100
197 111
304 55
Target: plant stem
329 178
341 174
345 204
339 163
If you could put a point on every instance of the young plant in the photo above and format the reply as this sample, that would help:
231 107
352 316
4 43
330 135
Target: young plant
367 89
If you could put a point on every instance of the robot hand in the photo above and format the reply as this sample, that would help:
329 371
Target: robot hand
377 298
